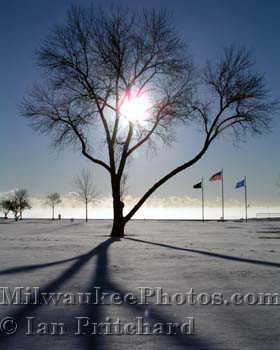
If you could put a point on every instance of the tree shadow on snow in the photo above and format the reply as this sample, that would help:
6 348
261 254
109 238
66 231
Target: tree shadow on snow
26 310
100 278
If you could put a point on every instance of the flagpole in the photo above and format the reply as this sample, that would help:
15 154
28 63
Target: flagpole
223 201
202 199
246 205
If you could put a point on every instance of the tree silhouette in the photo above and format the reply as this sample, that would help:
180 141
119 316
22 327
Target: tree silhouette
19 202
52 200
86 190
125 79
6 206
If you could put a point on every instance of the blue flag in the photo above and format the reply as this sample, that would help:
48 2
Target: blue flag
240 184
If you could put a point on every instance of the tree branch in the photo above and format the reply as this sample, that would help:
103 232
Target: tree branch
166 178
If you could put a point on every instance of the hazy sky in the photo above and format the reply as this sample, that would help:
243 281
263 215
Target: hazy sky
207 26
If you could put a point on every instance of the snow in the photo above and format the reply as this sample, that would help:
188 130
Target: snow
212 257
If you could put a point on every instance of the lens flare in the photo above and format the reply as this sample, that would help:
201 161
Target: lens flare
135 106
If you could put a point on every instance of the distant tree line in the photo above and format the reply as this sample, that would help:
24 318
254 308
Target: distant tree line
19 201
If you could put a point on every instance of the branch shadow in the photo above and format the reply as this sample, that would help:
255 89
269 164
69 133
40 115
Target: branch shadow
203 252
69 273
29 268
101 278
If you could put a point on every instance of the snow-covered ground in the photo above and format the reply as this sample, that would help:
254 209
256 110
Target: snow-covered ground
211 257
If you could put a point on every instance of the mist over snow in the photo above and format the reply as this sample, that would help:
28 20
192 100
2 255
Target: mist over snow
173 207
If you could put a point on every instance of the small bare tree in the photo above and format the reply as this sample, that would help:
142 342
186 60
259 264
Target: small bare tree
86 189
19 202
52 200
125 79
6 206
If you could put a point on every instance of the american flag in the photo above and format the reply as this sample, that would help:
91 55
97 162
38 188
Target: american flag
217 176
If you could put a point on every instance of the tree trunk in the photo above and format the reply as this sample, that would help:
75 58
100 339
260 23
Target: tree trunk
53 212
119 220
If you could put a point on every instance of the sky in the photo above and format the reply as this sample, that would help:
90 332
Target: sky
26 160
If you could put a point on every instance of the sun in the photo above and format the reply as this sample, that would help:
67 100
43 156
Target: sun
135 106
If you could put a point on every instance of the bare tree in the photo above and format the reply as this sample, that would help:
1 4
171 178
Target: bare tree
101 63
52 200
19 202
6 206
86 189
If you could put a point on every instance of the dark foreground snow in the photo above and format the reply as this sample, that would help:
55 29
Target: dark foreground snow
214 257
